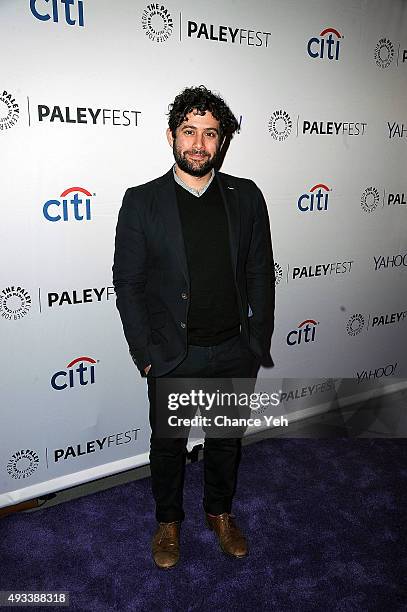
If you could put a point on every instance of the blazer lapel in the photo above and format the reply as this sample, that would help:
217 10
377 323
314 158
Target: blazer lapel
168 208
230 198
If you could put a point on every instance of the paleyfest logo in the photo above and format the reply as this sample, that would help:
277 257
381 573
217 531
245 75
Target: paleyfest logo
157 22
280 126
15 303
9 111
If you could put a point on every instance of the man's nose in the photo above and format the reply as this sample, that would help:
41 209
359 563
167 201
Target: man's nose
198 140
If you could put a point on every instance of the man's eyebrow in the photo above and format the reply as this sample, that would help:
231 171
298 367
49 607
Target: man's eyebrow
194 127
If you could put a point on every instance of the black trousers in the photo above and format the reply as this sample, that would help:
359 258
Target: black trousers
233 359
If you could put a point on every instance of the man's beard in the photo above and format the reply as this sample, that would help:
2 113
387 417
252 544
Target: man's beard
194 168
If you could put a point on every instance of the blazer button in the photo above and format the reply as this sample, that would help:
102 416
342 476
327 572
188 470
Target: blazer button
184 295
183 325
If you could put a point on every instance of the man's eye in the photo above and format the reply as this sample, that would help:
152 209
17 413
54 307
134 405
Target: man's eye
211 134
188 132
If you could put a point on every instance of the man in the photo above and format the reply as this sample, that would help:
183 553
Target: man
194 279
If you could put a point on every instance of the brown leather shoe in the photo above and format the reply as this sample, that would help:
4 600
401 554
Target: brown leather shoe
165 545
231 539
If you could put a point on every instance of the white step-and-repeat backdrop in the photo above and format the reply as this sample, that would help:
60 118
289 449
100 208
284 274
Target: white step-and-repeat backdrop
319 88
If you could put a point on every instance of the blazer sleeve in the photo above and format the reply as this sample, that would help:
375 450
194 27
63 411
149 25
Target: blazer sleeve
129 280
260 275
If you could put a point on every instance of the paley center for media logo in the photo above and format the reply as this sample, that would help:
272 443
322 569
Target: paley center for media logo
71 377
157 22
15 303
22 464
281 122
384 53
390 198
304 333
9 111
70 11
326 45
158 25
278 273
76 208
280 125
357 322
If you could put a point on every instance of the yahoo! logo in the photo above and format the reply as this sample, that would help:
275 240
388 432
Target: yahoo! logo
315 199
53 13
79 208
325 47
70 377
304 333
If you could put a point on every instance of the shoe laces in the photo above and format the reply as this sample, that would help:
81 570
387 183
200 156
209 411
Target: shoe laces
228 520
164 531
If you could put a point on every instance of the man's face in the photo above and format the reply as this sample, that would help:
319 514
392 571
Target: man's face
196 144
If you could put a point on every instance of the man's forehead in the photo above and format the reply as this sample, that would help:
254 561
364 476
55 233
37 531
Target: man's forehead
196 118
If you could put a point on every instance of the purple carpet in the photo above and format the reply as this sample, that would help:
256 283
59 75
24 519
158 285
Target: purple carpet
323 520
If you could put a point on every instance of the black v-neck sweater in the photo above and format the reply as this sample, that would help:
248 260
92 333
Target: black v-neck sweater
213 312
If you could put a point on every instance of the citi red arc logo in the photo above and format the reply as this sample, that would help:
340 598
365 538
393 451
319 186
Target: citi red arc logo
76 208
304 333
325 46
82 375
316 199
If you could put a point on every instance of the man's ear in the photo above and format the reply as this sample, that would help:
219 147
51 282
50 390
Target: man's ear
169 137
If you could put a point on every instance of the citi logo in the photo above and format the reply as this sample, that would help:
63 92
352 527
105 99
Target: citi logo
58 9
316 199
304 333
72 377
325 46
77 208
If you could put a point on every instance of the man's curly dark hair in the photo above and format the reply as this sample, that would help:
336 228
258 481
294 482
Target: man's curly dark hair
202 99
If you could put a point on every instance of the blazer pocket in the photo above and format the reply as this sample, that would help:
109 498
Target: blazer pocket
158 319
